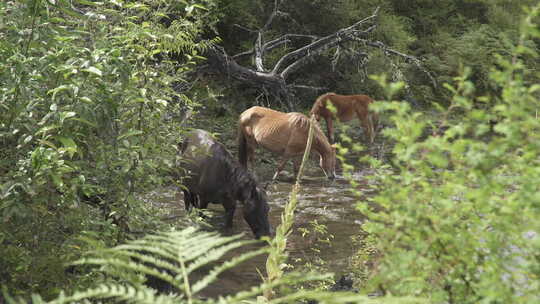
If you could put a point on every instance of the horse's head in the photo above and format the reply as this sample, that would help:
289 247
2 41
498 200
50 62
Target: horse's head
256 211
328 163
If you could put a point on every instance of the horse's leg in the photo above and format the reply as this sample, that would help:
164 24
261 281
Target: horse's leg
280 166
230 207
192 200
188 200
372 128
251 155
367 124
200 203
374 121
296 166
203 204
330 129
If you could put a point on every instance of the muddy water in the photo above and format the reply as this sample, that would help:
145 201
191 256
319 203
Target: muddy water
328 203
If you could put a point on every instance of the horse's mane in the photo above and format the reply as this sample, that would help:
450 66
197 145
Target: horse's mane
239 177
319 135
243 178
318 102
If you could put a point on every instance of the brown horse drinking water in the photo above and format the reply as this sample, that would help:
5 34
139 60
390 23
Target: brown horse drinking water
212 175
284 134
347 108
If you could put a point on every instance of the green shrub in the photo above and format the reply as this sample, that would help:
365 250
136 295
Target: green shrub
85 123
456 217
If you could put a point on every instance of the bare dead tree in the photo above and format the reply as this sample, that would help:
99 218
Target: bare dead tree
274 79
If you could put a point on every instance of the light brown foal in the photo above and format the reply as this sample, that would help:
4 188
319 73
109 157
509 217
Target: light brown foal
347 107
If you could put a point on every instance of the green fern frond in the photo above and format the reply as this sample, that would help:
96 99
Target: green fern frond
120 293
195 247
171 257
285 280
204 282
125 270
145 255
215 254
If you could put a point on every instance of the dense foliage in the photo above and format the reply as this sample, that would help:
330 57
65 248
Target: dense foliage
459 219
93 94
443 34
86 122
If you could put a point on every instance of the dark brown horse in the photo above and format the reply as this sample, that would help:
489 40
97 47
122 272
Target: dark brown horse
347 108
212 175
285 134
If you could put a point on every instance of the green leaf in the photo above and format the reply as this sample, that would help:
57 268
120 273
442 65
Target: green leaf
57 179
91 124
89 3
65 115
130 133
93 70
57 90
69 145
86 100
46 129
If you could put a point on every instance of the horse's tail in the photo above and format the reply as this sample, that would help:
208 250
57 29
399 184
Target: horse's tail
242 146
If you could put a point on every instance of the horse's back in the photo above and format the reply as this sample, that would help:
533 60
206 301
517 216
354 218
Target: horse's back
348 106
272 129
198 144
262 122
298 120
344 99
205 162
363 99
253 114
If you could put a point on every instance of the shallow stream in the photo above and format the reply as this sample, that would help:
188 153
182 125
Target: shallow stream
322 204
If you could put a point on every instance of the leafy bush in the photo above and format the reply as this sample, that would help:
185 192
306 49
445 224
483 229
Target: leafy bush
456 218
86 104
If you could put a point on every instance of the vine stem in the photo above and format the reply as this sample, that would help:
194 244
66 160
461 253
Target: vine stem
23 74
307 151
186 281
276 259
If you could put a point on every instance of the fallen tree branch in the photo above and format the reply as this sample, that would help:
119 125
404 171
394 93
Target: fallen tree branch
274 81
408 58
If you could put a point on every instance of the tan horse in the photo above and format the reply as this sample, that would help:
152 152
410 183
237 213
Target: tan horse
347 108
284 134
